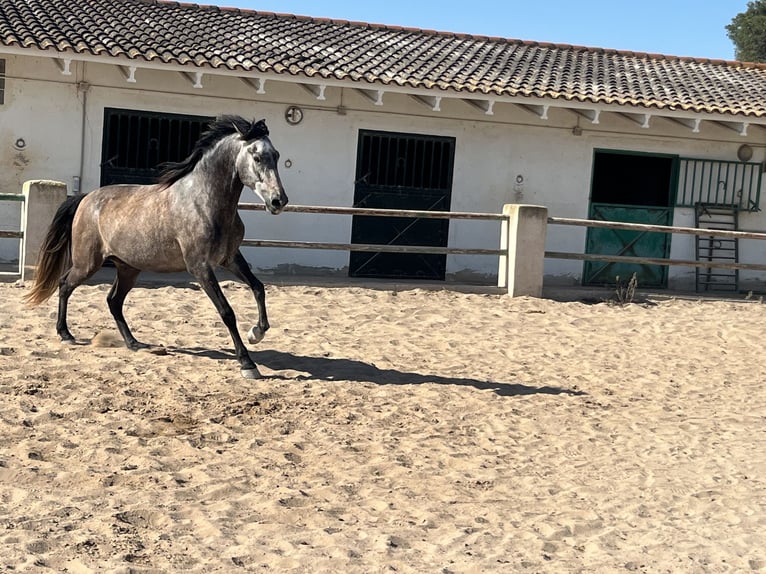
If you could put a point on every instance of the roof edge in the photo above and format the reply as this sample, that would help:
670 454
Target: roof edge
514 41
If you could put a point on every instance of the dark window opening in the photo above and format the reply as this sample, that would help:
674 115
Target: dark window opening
397 160
632 179
401 171
135 143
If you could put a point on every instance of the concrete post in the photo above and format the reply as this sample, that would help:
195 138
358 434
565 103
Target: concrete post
41 200
523 236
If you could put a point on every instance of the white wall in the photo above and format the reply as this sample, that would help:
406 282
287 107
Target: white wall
50 113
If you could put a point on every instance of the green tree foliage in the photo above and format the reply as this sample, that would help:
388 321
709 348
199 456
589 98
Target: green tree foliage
748 32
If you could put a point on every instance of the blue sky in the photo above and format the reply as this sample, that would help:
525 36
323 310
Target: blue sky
673 27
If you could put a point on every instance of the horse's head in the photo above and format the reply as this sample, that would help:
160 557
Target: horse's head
257 166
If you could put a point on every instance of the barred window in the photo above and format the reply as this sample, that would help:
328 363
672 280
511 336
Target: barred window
2 81
719 182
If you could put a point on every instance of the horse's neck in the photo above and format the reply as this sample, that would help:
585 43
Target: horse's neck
215 182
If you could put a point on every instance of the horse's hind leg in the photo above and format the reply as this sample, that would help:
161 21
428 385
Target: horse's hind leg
123 283
65 291
69 282
241 269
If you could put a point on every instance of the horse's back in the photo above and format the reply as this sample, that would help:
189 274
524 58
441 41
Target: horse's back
133 223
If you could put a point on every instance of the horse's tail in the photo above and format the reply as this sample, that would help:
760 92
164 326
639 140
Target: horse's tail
55 252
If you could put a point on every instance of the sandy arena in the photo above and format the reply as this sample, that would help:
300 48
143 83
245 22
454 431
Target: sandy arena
395 430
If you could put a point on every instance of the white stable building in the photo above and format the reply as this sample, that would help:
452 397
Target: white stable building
388 117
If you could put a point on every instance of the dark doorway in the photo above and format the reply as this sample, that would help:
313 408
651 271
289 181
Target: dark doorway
634 188
135 143
401 171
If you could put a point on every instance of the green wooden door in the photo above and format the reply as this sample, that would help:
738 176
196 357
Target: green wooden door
628 243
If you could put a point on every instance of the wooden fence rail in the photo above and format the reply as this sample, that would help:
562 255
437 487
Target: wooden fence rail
502 252
658 229
520 262
376 247
378 212
13 233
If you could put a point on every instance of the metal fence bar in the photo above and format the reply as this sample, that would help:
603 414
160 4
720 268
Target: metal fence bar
501 252
653 261
376 248
657 228
379 212
372 247
660 229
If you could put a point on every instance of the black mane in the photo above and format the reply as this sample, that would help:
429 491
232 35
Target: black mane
222 126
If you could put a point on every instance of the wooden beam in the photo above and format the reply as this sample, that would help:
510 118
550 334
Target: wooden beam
541 111
433 102
486 106
375 96
739 127
129 73
258 84
64 65
194 79
640 119
590 115
315 90
692 124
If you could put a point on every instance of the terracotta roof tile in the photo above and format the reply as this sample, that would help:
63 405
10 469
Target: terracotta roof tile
248 41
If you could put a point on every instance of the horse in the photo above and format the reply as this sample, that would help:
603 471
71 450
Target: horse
186 221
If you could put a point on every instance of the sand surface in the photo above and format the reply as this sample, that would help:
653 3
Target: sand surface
404 430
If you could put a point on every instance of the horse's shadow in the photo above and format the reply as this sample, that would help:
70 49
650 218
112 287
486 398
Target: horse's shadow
339 369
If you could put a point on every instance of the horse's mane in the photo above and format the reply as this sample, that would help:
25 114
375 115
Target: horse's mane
222 126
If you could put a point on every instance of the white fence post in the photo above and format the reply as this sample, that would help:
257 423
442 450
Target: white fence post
523 238
41 200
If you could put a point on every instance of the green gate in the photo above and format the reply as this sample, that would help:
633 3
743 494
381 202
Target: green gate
628 243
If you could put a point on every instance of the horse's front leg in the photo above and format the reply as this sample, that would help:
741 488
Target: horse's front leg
241 269
204 274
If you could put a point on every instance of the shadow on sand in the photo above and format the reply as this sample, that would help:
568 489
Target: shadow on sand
338 369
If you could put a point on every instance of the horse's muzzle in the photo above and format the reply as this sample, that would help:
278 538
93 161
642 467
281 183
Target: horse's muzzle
275 206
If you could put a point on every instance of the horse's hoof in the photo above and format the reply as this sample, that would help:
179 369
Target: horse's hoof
154 350
253 373
255 335
68 342
138 346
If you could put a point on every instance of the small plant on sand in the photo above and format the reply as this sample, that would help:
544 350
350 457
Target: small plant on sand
626 291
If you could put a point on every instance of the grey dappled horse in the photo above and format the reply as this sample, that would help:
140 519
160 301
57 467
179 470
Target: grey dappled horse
187 221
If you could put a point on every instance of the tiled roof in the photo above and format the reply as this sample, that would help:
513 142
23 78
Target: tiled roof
377 55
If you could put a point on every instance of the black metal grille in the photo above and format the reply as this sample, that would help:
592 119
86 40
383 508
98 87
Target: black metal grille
135 143
732 183
401 171
2 81
407 161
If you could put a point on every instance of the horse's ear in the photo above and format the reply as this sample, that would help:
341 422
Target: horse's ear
257 130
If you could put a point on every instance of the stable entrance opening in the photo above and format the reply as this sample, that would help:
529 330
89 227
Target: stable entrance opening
401 171
634 188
